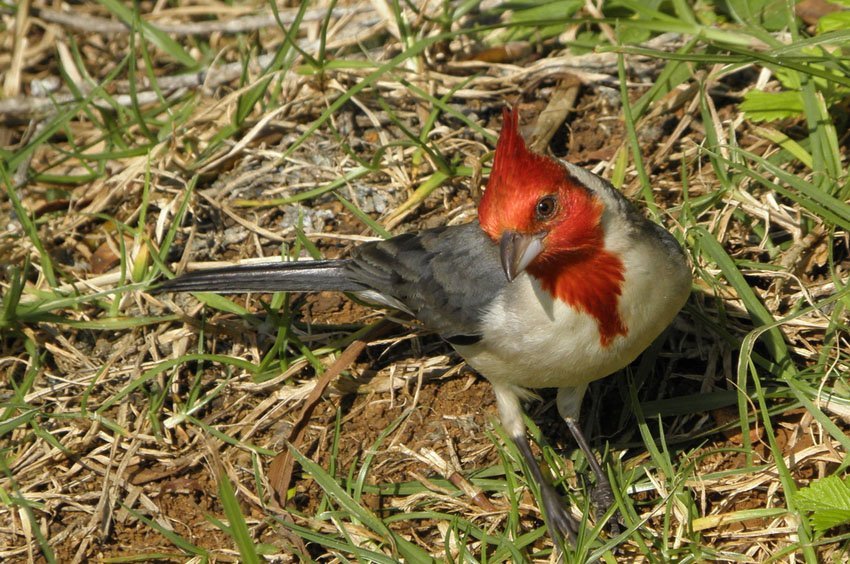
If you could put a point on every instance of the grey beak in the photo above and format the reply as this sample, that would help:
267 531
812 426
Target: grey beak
517 250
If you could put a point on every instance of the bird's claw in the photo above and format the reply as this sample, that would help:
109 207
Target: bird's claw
602 498
561 524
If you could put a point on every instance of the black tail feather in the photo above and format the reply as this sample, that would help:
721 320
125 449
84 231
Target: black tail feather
304 276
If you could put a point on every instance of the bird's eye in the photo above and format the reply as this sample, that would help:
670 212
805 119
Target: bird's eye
546 207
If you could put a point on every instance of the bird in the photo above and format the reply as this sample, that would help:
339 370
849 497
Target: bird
559 282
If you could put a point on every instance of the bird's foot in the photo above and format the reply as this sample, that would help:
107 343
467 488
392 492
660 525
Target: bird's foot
602 498
561 524
559 521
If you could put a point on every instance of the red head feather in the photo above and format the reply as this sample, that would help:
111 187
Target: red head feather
517 180
520 178
574 265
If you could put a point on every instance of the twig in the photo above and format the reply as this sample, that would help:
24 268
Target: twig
26 107
451 471
281 467
12 83
94 24
560 105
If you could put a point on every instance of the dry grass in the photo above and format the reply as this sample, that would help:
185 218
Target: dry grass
143 427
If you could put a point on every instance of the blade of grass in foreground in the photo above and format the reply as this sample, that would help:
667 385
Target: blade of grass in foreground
761 316
238 528
405 548
172 536
153 34
786 479
28 223
147 375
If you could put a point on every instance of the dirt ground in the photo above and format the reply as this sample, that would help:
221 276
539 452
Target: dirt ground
406 411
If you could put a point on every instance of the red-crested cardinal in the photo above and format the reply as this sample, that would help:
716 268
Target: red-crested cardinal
559 283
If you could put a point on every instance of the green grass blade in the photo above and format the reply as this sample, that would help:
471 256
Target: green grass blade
238 528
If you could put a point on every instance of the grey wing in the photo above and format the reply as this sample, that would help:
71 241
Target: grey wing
446 277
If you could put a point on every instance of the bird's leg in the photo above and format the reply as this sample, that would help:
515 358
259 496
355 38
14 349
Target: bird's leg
559 521
603 495
569 406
